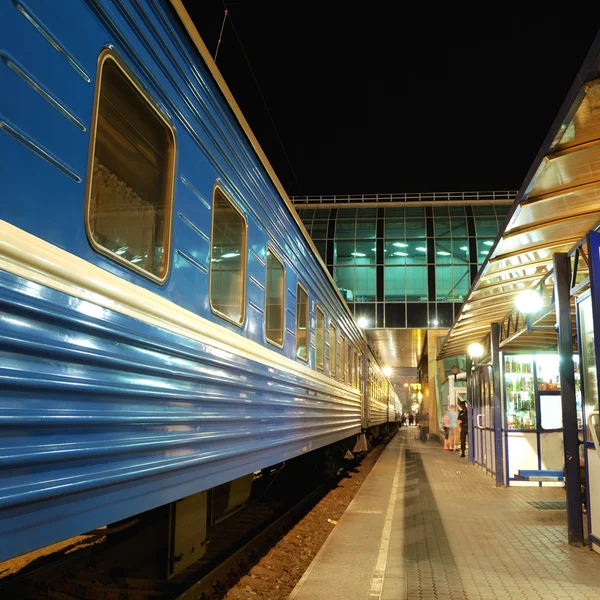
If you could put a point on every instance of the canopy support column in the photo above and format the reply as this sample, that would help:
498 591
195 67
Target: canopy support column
497 382
562 297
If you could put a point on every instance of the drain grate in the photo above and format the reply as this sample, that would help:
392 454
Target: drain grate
548 505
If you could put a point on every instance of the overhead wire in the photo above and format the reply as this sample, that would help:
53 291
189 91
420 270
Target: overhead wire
228 16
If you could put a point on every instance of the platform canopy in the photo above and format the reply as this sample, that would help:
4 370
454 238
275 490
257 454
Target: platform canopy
555 208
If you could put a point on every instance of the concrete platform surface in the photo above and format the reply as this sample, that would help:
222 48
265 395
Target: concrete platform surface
427 525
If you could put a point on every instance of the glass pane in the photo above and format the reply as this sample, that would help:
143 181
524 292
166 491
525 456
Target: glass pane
415 228
416 284
588 359
345 229
394 228
394 284
301 323
395 213
412 212
320 339
129 208
486 226
443 252
344 279
366 228
332 351
343 253
365 284
319 230
460 251
347 213
396 252
274 298
443 283
519 382
228 259
483 249
442 227
483 210
458 227
462 283
364 253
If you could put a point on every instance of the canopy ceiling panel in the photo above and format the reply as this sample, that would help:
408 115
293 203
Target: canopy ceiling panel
558 203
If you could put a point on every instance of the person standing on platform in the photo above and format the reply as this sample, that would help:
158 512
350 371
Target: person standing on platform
446 422
411 419
453 427
463 419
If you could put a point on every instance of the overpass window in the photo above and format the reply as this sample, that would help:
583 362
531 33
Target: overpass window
332 350
227 259
274 299
320 340
301 323
130 182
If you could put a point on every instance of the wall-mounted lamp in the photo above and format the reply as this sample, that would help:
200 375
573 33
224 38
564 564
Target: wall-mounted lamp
475 350
387 371
528 302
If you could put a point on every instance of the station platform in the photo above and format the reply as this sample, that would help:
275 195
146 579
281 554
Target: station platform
426 524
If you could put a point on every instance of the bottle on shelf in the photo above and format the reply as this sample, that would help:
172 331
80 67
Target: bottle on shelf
506 364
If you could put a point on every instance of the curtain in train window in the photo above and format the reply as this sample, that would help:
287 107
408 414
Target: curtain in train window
227 259
320 339
301 323
131 175
274 299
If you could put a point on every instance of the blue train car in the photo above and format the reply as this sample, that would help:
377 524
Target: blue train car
165 324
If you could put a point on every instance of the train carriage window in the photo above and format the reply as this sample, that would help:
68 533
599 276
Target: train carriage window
227 259
130 174
301 323
342 358
320 340
332 351
274 299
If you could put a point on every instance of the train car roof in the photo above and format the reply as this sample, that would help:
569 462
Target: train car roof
189 26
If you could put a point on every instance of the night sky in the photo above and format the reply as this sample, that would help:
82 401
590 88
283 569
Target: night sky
373 100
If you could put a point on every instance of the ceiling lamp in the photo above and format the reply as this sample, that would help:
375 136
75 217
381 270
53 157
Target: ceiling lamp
528 302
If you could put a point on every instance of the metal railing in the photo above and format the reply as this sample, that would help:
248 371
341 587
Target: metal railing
506 195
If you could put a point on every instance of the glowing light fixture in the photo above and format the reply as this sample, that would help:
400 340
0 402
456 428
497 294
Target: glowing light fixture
358 253
443 253
400 254
464 248
387 371
475 350
363 322
528 302
230 255
421 249
484 252
488 243
400 244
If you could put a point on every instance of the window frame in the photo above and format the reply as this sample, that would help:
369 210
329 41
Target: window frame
342 359
283 288
299 286
333 333
322 312
104 56
215 311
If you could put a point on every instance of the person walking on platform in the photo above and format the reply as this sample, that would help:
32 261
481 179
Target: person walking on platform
446 422
411 419
463 419
453 427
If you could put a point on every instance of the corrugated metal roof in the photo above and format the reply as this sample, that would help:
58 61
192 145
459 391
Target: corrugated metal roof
558 203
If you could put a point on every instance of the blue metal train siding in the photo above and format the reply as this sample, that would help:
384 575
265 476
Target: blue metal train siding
102 415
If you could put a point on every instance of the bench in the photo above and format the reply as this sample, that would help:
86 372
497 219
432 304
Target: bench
539 475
